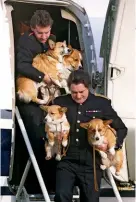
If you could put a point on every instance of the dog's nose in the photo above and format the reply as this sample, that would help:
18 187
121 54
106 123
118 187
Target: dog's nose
97 138
45 119
80 67
69 51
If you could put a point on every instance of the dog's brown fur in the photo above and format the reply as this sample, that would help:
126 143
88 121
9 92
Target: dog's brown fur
46 63
108 135
56 123
73 60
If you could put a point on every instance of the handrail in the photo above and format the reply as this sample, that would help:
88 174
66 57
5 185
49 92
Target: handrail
32 156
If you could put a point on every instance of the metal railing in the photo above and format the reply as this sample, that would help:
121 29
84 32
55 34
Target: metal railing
31 160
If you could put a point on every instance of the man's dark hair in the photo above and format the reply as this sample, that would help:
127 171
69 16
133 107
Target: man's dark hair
41 18
79 77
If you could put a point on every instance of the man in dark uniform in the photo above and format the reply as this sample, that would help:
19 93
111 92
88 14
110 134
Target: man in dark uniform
77 166
30 44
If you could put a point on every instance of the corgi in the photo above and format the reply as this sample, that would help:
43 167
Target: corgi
99 134
56 123
73 60
49 63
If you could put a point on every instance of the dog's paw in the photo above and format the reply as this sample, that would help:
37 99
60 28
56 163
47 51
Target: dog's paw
48 157
58 157
57 83
51 143
43 102
103 155
117 173
103 167
65 143
112 151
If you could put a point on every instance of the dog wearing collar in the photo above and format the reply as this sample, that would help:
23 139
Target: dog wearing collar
56 124
100 134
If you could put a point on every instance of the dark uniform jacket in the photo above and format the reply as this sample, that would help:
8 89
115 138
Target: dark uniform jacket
28 47
93 107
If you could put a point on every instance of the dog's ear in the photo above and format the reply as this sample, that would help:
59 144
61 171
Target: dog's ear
52 44
65 42
107 122
44 107
80 55
62 109
85 125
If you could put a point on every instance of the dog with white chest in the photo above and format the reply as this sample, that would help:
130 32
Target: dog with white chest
50 63
101 135
56 124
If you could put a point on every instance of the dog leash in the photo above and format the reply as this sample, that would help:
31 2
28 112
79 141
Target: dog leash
65 149
59 144
94 166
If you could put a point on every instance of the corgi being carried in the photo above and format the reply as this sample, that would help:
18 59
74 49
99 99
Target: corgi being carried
100 134
49 63
56 124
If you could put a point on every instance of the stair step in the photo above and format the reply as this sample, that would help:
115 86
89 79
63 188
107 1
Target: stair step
39 197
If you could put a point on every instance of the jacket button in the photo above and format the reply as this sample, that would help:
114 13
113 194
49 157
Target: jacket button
77 130
79 112
93 117
78 121
77 142
40 77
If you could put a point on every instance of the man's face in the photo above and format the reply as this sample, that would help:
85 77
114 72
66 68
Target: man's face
79 93
42 33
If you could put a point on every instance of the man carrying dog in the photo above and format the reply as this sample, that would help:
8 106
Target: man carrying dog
32 43
29 45
77 166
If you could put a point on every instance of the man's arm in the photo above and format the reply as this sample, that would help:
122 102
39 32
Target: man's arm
25 55
117 124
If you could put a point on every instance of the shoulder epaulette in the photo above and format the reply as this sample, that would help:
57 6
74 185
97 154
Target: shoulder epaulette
99 95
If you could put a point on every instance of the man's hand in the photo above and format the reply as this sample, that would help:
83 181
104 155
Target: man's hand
47 79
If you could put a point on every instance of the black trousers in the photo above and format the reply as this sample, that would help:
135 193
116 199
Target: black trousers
69 174
33 118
